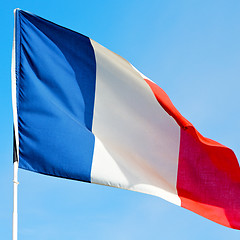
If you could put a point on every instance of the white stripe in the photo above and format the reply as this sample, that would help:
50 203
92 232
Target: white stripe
137 142
14 100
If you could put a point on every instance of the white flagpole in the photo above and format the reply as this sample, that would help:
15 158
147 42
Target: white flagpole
15 198
16 145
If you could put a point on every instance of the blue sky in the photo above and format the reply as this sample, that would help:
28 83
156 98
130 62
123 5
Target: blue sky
191 49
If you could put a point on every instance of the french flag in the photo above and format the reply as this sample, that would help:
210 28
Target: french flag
83 112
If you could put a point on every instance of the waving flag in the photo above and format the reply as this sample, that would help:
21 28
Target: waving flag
83 112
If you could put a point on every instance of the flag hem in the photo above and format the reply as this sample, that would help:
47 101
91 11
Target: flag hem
14 93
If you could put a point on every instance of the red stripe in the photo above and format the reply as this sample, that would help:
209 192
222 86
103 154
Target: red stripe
208 181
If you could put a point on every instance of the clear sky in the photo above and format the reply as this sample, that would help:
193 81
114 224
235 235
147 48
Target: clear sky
192 50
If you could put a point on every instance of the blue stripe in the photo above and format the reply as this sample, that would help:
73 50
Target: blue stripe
56 91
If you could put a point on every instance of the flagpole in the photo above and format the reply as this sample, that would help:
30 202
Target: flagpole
15 198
